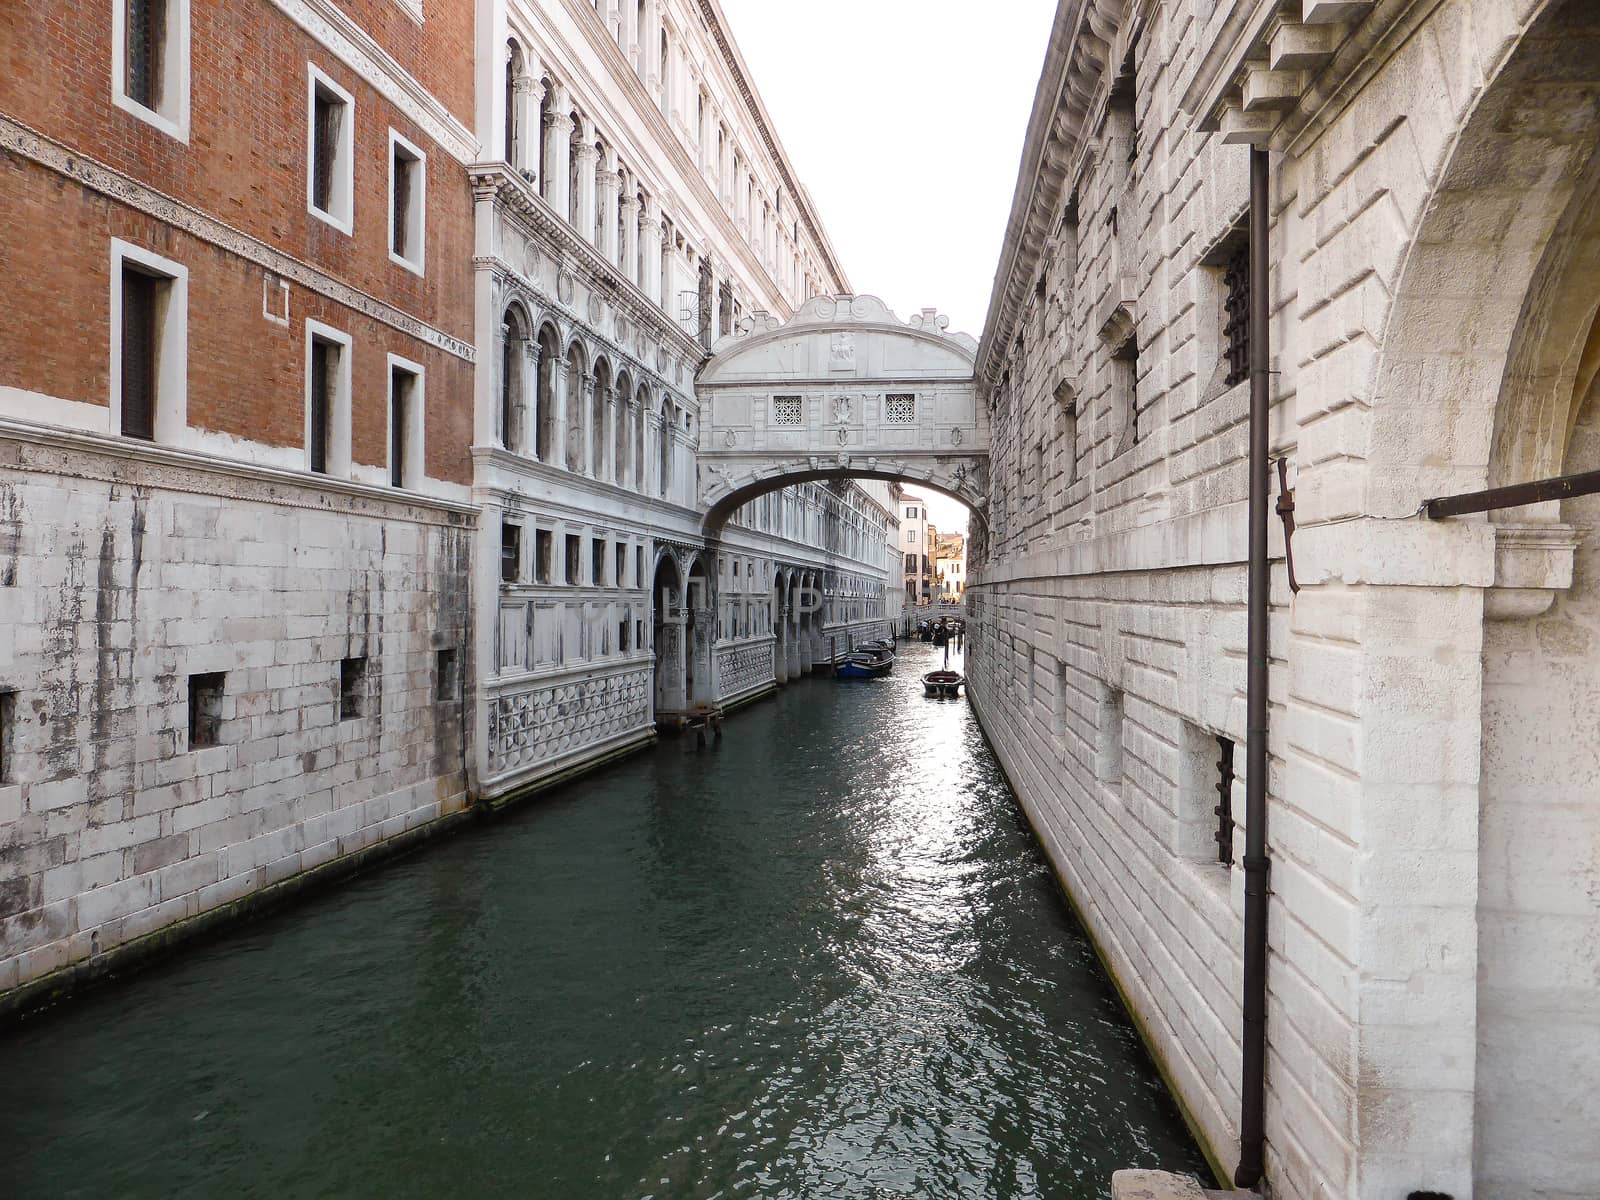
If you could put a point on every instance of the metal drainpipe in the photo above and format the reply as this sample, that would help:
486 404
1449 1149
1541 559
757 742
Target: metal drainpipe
1253 1080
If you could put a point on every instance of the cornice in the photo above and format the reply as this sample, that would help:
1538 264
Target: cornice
34 146
130 461
1083 42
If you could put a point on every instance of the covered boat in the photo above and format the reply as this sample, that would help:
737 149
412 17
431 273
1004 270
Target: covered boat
944 684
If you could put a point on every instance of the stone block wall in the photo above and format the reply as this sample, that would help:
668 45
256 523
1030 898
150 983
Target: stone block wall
127 574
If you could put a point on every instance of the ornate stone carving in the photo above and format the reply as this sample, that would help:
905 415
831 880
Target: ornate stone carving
530 727
842 355
742 668
564 286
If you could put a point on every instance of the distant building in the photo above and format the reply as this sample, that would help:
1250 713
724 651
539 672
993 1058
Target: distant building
915 550
950 563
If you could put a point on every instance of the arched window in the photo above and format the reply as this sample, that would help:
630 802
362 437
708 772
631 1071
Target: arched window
513 357
516 68
574 168
597 418
620 440
546 114
641 418
664 481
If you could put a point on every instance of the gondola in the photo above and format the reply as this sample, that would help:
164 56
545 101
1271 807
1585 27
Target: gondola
866 664
943 684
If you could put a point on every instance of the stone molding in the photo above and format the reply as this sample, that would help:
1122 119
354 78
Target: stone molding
1532 563
50 451
34 146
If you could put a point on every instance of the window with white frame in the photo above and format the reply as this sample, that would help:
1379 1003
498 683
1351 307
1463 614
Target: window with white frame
327 400
408 203
330 151
149 344
405 423
150 62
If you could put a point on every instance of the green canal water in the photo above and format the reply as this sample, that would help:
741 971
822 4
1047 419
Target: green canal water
826 959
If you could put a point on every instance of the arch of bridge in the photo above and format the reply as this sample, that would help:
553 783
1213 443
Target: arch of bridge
844 388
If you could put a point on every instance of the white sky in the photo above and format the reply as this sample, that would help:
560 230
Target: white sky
904 120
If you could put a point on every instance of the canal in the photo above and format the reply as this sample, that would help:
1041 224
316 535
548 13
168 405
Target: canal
825 959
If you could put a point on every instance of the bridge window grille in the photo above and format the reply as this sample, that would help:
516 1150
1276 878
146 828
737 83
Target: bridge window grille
786 410
1236 307
1224 808
900 409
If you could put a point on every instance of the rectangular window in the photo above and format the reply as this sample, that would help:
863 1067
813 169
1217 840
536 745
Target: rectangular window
1236 313
622 566
138 354
149 344
510 552
405 423
150 62
574 557
408 181
324 366
8 733
444 674
638 566
352 688
205 709
544 548
1224 807
597 561
330 139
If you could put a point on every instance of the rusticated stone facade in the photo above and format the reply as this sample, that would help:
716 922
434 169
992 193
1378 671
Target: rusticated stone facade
1432 787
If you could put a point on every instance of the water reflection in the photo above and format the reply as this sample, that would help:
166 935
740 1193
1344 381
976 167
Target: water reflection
823 960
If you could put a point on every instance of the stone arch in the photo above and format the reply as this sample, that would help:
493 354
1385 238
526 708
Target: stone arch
599 398
667 634
622 431
547 113
640 417
960 479
1485 377
516 350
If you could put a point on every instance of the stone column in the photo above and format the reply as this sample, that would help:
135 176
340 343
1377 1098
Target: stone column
651 233
610 194
558 440
608 446
588 164
528 402
558 150
630 237
527 95
580 440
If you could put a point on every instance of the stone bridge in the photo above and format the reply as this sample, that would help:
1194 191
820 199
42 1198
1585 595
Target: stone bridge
842 389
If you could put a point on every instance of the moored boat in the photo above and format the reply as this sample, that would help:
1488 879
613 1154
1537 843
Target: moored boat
944 684
866 664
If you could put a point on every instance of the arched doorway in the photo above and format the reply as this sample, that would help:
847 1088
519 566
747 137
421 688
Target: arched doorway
701 628
780 627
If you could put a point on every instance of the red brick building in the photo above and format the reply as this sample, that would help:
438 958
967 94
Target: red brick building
236 373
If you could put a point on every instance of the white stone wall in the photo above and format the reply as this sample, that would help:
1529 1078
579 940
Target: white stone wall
128 569
1431 195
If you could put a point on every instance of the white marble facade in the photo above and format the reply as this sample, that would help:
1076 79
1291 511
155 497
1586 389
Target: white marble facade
1433 814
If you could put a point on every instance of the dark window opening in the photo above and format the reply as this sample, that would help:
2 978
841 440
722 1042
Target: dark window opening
401 383
1236 311
622 636
146 48
638 566
404 167
8 726
138 354
444 674
327 116
324 362
352 687
597 561
622 566
544 550
205 709
1224 808
510 552
574 557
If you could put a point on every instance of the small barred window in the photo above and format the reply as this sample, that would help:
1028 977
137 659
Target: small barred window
1236 328
786 410
900 409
